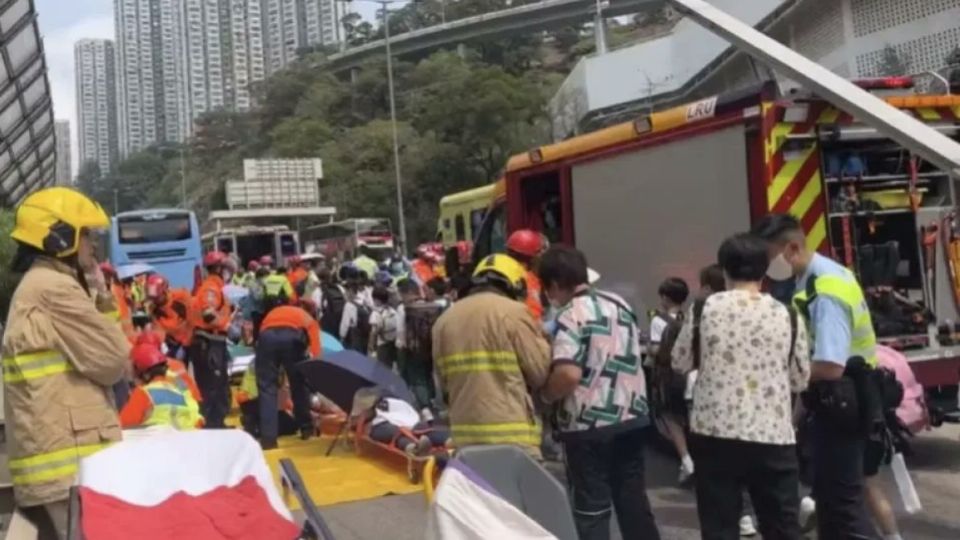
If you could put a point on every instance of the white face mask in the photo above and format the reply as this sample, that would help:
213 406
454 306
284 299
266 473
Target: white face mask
779 269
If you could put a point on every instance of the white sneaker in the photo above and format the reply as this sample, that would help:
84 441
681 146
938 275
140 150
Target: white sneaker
808 513
686 470
746 526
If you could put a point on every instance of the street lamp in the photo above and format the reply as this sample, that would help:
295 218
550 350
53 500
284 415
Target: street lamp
393 115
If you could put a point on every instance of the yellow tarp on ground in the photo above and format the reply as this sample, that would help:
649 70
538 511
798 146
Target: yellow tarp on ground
342 477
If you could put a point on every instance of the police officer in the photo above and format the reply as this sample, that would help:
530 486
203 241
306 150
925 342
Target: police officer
833 304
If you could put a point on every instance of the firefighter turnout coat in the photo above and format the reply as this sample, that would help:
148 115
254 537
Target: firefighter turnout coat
489 355
61 355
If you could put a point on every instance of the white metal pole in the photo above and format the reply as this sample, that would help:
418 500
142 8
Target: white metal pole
393 123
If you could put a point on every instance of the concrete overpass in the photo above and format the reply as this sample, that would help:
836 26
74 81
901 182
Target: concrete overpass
543 15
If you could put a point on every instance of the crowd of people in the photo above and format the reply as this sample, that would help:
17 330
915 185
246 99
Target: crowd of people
524 338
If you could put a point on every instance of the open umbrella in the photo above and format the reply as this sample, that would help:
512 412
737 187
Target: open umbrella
339 376
128 271
241 355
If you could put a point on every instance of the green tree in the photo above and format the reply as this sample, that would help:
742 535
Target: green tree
8 247
90 181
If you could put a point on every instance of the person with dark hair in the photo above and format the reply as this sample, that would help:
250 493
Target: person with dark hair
712 280
436 291
597 381
383 328
830 299
673 293
751 354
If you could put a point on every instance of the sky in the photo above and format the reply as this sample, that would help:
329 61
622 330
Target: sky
63 23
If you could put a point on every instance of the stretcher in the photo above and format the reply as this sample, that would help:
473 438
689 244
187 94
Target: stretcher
217 478
363 444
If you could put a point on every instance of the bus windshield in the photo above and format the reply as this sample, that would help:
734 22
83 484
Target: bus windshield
148 229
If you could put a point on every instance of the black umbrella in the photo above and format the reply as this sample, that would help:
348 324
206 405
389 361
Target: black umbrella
340 375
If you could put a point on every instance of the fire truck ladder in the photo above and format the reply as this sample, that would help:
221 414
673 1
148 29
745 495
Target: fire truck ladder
909 132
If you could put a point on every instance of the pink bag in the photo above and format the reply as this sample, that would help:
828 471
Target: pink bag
913 409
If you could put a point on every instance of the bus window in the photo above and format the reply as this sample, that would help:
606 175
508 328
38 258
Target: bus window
461 228
146 230
492 235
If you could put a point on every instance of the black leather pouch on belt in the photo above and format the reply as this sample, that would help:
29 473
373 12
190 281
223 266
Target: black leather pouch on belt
834 404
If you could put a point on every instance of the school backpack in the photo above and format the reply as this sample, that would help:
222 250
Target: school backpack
333 303
388 324
418 326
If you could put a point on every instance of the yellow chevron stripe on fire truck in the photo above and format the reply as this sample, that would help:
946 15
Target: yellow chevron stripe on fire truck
829 116
786 176
807 196
928 114
817 234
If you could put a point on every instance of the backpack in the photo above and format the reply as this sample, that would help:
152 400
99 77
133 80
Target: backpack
358 337
418 326
388 327
333 303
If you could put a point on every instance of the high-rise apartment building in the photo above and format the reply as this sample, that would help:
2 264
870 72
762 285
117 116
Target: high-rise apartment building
243 51
61 129
94 61
292 25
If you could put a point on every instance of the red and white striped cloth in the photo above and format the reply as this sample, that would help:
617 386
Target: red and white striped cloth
202 485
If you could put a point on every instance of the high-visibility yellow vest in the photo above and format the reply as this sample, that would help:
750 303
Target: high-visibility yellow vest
845 289
277 286
171 406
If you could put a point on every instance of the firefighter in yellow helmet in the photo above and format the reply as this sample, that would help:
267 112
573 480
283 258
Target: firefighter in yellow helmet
489 354
61 353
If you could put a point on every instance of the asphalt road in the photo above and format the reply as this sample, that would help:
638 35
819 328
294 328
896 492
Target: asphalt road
935 468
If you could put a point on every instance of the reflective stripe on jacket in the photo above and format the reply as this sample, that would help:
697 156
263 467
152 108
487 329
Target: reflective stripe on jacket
60 358
171 405
846 290
278 286
489 354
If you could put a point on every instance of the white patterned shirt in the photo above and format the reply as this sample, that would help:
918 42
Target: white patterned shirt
598 332
745 380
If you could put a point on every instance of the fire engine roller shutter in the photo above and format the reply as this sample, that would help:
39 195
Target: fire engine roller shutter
662 211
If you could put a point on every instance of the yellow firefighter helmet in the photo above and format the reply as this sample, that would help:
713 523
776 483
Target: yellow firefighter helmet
52 219
505 271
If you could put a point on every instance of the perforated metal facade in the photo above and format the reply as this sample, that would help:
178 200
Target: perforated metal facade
871 16
27 139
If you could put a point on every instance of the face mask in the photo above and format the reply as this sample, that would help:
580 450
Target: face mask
779 269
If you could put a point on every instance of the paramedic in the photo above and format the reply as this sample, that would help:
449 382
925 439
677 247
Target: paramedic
61 354
170 312
832 302
161 400
487 352
288 335
208 352
526 246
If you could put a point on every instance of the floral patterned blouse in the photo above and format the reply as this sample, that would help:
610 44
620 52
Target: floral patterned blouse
745 380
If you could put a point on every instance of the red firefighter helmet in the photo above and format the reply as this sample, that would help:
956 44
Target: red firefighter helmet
107 269
525 242
214 258
253 266
157 287
149 338
293 260
464 251
146 356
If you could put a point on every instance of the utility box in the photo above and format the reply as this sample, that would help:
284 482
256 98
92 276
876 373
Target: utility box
276 183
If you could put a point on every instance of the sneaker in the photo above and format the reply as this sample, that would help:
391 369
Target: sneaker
808 514
424 446
746 526
686 470
685 476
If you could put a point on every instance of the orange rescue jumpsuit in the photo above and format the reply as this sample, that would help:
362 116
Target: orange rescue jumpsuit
533 302
210 317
